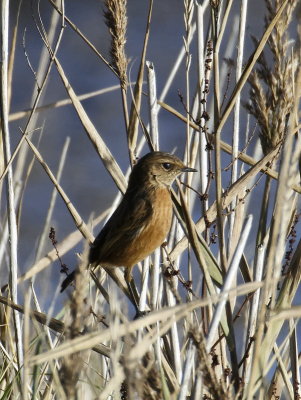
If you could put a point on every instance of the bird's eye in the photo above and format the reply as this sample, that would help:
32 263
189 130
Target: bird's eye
167 166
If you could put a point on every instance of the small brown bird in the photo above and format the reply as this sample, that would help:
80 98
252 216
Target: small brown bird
142 220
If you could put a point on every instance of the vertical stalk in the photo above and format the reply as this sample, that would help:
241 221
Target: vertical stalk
201 87
235 140
217 138
12 222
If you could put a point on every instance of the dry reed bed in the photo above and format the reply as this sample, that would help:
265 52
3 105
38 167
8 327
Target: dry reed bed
222 292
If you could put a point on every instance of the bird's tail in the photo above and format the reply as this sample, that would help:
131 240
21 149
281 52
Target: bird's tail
67 281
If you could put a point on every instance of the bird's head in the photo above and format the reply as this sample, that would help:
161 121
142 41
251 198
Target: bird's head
157 168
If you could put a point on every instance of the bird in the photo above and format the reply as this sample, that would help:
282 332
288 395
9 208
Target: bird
143 218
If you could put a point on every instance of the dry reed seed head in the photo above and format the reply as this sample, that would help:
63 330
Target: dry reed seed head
271 94
216 387
145 379
76 322
152 384
116 20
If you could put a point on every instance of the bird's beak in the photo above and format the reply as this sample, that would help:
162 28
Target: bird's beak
188 169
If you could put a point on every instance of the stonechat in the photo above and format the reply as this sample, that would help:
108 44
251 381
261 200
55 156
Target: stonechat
142 220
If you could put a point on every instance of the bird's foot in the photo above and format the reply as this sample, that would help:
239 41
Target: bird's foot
140 314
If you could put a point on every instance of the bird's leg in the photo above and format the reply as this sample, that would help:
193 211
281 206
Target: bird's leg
132 289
